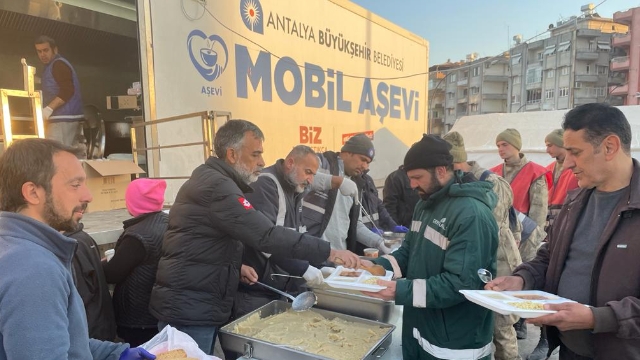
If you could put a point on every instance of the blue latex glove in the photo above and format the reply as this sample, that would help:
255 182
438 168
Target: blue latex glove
136 354
400 229
377 231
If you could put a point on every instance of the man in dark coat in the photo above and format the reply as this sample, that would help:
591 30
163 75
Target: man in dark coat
209 224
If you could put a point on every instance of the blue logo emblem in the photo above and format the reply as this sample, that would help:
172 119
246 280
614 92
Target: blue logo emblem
252 15
209 55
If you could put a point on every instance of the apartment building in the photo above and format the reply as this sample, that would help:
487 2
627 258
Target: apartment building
624 87
569 68
471 87
437 85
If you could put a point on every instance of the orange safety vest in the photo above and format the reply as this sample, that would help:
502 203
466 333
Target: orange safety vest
521 183
558 192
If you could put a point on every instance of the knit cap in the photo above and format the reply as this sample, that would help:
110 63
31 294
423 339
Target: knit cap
360 144
145 196
512 136
555 137
457 146
429 152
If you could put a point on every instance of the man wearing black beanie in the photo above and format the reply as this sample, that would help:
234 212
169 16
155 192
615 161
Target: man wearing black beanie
453 234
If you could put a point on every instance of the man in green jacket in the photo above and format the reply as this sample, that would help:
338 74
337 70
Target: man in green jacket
452 235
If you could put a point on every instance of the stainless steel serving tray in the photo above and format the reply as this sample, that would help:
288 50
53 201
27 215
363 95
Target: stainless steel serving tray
263 350
353 303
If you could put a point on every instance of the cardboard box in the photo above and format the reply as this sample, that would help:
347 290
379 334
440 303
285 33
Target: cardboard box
108 181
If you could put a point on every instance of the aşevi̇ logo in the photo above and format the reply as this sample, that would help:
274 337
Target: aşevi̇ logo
252 15
208 54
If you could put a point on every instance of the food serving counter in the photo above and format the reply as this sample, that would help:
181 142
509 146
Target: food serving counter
387 347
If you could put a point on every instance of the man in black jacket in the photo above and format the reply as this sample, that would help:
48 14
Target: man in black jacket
399 198
92 286
209 224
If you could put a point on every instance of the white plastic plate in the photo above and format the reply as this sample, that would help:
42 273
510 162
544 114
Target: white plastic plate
499 301
355 283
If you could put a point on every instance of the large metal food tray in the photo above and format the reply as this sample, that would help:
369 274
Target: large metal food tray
353 303
263 350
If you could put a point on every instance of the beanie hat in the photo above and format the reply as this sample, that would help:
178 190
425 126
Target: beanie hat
429 152
457 146
555 137
145 196
360 144
512 136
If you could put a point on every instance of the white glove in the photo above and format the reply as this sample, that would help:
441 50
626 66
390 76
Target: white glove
384 249
327 270
313 276
348 188
46 113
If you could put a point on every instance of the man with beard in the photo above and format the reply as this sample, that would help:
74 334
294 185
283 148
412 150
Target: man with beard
508 257
335 215
453 234
278 194
43 192
209 224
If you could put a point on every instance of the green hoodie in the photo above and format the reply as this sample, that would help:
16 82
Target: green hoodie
452 235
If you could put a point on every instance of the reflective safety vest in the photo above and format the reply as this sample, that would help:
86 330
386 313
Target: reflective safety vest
521 183
558 191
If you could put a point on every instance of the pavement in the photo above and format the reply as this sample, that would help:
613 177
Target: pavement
526 346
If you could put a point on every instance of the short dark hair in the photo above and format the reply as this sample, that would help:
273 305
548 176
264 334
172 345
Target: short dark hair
231 135
599 120
28 160
43 39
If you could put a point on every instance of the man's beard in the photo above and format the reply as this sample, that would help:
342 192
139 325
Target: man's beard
432 189
58 221
246 174
291 178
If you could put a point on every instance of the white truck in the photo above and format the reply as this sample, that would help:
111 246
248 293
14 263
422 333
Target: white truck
306 72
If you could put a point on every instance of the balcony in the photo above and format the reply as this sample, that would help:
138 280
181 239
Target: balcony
587 78
621 40
494 96
617 78
463 82
496 78
620 63
588 33
618 90
463 100
586 54
623 17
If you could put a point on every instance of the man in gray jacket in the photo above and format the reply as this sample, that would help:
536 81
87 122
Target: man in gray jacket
331 214
43 191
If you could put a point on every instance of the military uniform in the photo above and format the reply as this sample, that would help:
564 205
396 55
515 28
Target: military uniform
508 258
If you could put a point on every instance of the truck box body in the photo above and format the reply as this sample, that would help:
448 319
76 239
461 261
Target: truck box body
306 72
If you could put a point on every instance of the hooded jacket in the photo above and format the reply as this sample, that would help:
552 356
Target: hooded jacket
41 312
452 235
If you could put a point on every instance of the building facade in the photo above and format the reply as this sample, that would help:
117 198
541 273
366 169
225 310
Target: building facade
624 83
569 68
471 87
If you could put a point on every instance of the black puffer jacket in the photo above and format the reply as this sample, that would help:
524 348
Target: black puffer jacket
131 296
199 270
92 286
399 198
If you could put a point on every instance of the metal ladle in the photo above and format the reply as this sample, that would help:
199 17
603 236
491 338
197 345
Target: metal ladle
485 275
302 302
